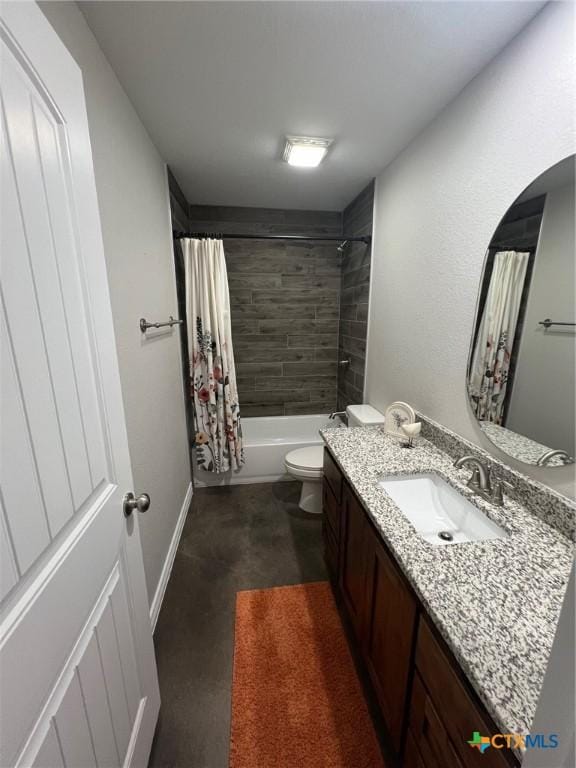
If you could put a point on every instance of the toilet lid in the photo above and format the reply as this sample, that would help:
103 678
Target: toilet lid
306 458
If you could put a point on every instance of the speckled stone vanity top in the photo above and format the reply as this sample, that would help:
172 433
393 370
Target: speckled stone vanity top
496 603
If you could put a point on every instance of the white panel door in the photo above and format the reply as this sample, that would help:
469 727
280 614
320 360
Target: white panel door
78 682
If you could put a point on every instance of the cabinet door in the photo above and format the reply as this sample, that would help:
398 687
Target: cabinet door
330 524
352 563
428 733
455 702
390 631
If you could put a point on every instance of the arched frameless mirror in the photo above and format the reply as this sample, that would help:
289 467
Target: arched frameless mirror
521 369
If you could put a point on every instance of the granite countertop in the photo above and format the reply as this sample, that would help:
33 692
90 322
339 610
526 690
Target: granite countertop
496 603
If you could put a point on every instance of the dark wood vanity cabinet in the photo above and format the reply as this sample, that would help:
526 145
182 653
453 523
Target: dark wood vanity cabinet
391 613
352 565
428 708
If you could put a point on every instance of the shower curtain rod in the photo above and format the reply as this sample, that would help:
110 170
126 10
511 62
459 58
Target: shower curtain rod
367 239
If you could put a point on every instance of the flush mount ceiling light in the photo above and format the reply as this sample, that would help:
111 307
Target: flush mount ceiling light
305 152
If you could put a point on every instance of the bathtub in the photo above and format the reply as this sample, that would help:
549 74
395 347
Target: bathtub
267 439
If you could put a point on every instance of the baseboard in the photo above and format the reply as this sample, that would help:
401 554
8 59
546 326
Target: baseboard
169 562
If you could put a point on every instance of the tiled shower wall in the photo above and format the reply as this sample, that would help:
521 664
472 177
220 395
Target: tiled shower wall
297 308
285 307
356 220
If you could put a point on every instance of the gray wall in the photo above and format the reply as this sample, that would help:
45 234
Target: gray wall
284 299
134 211
355 288
436 209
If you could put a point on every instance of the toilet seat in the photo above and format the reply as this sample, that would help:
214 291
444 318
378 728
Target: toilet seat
305 462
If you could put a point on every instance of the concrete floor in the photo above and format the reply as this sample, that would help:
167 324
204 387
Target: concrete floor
241 537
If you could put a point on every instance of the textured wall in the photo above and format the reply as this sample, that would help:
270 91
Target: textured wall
436 209
134 211
284 298
355 288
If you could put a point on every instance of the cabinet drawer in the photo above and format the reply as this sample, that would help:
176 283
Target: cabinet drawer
428 732
331 509
461 713
333 476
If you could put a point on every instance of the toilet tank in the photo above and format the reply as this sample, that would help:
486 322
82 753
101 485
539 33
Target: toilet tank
363 416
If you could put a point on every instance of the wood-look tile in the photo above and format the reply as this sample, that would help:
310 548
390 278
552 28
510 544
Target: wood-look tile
261 409
324 312
270 312
256 354
303 409
328 353
358 330
302 296
275 396
267 340
254 280
240 327
240 297
323 282
314 340
353 346
296 382
293 326
258 369
356 277
310 369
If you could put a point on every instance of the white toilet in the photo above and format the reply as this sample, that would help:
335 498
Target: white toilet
305 464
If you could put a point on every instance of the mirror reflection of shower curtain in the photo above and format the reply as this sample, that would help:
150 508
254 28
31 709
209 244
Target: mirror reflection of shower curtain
218 433
490 364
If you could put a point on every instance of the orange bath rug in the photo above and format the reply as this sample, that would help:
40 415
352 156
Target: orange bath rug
296 699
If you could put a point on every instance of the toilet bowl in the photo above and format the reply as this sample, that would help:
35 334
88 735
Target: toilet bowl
305 464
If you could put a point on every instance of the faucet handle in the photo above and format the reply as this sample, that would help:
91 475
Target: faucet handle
498 491
474 479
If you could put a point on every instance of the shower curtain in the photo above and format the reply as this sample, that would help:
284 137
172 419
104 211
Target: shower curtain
218 434
490 364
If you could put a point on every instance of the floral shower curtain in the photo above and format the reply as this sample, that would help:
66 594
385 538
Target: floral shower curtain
490 364
218 434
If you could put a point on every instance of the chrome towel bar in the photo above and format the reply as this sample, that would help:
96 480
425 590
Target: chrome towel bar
144 324
547 323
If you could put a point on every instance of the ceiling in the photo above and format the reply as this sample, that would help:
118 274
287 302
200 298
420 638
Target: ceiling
218 85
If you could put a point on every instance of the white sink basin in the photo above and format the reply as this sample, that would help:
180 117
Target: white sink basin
437 511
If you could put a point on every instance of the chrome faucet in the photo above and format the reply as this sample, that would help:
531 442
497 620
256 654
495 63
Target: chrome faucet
564 457
337 413
480 481
480 478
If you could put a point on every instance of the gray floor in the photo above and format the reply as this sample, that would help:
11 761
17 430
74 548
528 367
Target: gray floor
243 537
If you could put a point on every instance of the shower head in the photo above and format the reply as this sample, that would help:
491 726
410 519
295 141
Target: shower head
341 247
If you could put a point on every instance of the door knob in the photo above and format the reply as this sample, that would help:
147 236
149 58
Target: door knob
142 503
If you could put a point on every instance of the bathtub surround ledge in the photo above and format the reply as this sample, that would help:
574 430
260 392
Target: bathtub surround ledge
496 603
